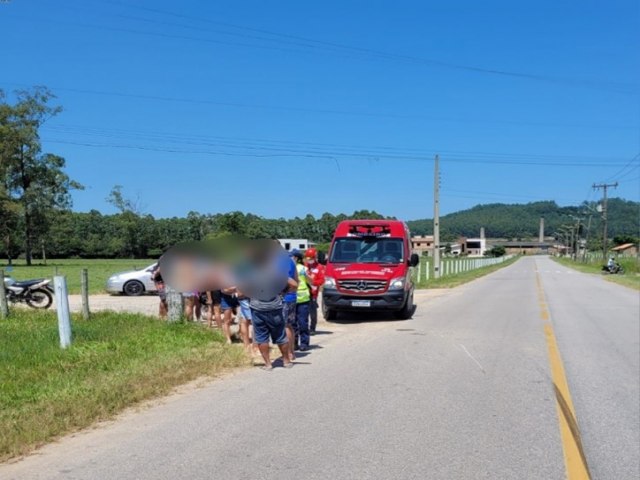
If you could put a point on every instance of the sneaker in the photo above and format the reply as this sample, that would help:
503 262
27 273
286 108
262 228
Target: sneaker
304 348
312 332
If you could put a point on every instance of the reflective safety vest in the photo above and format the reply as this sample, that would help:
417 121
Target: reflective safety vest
304 293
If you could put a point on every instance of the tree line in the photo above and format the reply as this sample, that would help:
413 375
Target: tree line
131 234
36 217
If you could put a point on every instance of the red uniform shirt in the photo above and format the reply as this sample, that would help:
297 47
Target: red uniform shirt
315 273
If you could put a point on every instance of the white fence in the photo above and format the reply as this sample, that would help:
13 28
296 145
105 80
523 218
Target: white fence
454 266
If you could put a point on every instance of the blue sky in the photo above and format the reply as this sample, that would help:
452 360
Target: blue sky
286 108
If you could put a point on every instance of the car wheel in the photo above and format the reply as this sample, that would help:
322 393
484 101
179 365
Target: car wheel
133 288
407 311
329 314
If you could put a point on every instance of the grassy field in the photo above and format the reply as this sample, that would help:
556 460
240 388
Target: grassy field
631 277
99 271
454 280
116 360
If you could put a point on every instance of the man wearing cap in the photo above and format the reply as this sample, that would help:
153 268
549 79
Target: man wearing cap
315 273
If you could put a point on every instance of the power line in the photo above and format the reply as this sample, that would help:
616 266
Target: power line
628 164
609 86
499 195
290 152
322 111
635 179
613 86
369 150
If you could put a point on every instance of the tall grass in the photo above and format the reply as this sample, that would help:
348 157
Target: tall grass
630 278
116 360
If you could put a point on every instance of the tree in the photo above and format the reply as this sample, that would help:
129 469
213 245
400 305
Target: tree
118 200
134 230
497 251
33 180
622 239
10 215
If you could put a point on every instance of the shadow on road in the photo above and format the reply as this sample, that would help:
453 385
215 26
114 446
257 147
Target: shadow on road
345 318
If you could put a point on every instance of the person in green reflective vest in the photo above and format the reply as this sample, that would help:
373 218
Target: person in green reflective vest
303 299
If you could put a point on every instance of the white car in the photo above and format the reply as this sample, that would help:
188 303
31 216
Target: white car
133 282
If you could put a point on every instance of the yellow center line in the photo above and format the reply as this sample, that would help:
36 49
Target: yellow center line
574 458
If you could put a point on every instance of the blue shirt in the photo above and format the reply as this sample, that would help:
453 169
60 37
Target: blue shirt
289 266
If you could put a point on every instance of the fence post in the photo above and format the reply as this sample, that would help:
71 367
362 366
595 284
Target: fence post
427 270
4 306
84 284
62 304
175 305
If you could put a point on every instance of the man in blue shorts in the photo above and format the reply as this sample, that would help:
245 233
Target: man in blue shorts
265 289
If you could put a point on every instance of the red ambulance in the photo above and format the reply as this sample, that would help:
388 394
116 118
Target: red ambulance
368 269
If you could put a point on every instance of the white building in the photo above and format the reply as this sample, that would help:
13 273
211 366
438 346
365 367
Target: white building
475 247
295 243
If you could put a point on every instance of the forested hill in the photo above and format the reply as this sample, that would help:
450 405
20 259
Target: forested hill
63 234
516 221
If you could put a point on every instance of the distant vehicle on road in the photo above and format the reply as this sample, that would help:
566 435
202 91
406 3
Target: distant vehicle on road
367 269
616 268
132 282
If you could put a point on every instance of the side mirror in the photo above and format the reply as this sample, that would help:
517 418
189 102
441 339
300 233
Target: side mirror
322 258
414 260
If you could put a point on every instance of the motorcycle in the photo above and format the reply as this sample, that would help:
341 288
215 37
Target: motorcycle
37 293
614 269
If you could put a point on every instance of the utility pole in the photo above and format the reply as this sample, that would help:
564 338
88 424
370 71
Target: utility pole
604 187
571 241
577 239
436 218
586 241
564 231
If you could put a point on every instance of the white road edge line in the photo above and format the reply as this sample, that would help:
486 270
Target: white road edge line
472 358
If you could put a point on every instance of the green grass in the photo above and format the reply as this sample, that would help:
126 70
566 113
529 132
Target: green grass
99 271
115 361
451 281
631 277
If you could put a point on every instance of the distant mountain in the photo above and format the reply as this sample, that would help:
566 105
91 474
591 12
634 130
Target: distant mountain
520 221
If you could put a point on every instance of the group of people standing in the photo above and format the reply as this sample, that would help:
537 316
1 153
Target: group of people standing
288 319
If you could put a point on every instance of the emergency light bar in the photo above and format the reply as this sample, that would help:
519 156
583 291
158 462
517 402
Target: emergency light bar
369 231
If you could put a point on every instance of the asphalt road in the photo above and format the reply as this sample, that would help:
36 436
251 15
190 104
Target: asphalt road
464 390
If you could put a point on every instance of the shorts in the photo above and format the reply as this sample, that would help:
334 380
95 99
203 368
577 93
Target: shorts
268 324
228 302
215 297
245 310
289 314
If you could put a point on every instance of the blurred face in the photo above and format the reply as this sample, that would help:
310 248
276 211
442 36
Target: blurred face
310 261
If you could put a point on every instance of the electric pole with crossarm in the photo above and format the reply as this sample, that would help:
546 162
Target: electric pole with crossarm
604 187
436 218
